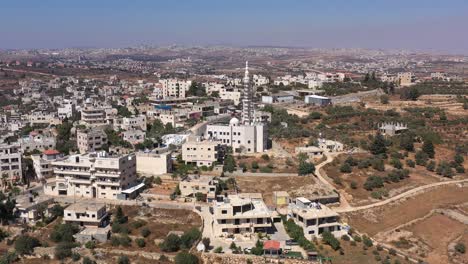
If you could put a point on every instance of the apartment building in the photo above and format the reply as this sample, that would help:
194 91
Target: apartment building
28 208
93 116
10 161
314 218
42 117
151 163
231 93
131 123
134 136
90 140
260 80
87 214
42 163
406 78
202 152
193 184
94 175
174 88
240 214
67 109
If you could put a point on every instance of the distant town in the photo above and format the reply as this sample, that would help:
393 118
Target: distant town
218 154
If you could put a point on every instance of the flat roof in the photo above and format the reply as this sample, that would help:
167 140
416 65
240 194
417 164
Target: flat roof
133 189
317 96
84 206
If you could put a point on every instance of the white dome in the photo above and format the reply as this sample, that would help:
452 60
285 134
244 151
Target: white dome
234 122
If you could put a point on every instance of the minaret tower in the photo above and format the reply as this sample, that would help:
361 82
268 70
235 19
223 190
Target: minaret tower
247 108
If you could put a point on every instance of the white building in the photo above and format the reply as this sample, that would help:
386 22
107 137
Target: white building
202 152
259 80
42 163
248 138
87 214
240 214
193 184
66 110
28 208
36 141
10 161
174 88
231 93
134 136
150 163
95 175
314 218
131 123
90 140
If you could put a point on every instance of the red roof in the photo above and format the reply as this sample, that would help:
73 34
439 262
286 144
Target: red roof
271 244
50 152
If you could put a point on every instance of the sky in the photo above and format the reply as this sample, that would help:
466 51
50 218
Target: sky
384 24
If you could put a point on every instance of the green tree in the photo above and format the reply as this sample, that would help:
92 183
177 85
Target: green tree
306 168
185 258
171 243
378 145
384 99
329 239
24 244
428 148
346 168
229 164
123 260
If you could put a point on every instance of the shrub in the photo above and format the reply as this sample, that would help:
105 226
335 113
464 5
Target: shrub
140 242
364 164
351 161
90 245
345 168
87 260
410 163
329 239
123 260
185 258
265 157
367 241
378 164
75 256
431 166
392 251
189 237
373 182
345 237
125 240
396 163
64 250
357 238
353 185
145 232
460 248
218 250
171 243
24 245
138 224
64 232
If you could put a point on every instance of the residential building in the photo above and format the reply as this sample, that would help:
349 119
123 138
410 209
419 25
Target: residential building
10 161
193 184
240 214
134 136
406 78
174 88
67 109
202 152
314 218
42 163
151 163
311 151
94 175
90 140
131 123
393 128
37 141
93 116
231 93
330 145
89 214
29 209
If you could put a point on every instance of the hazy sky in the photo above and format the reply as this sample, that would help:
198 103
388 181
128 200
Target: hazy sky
413 24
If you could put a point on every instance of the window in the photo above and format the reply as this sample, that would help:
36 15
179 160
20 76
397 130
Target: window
223 221
224 211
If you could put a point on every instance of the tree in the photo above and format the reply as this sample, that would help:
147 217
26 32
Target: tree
384 99
87 260
119 216
444 169
373 182
206 242
431 166
421 158
345 168
145 232
64 250
406 142
24 245
306 168
123 260
185 258
140 242
428 148
64 232
229 164
171 243
458 159
189 237
396 163
378 145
